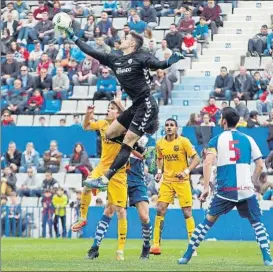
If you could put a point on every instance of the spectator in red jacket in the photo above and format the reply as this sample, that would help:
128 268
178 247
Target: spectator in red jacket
212 14
45 63
39 11
187 24
189 45
265 103
7 120
35 103
211 109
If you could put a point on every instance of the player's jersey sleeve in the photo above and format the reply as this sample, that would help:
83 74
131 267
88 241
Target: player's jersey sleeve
188 147
97 125
255 150
152 62
212 145
158 150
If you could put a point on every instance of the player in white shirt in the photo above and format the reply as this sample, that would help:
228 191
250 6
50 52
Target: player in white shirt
233 152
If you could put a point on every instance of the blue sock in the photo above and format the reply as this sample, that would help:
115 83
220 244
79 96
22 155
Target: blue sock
102 228
197 237
147 234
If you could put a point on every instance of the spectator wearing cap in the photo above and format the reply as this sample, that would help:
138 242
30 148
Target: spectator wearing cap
35 103
38 12
257 44
265 102
88 70
9 70
52 51
30 158
13 157
187 24
201 32
104 24
269 44
8 182
49 183
43 81
34 57
174 39
27 80
211 109
22 8
7 120
243 84
76 120
52 158
259 86
241 108
148 14
253 120
223 85
10 10
110 7
46 63
160 52
47 213
106 86
189 45
137 25
11 24
89 28
45 29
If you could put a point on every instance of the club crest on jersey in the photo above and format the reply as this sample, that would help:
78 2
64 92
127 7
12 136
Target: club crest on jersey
176 148
130 61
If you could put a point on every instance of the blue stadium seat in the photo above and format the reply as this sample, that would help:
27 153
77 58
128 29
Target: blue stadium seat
52 106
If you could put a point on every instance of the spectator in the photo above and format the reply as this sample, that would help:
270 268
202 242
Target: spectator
9 70
148 14
259 86
189 45
52 158
243 84
79 162
81 9
106 86
53 8
42 121
27 30
22 8
137 25
223 105
89 28
269 121
34 57
223 85
269 44
123 8
126 31
47 213
257 44
10 10
201 32
160 53
110 7
17 98
45 63
35 103
7 120
28 82
32 186
52 51
170 8
269 163
242 122
6 39
76 120
253 120
62 122
65 54
101 46
49 183
268 71
241 108
11 25
20 54
212 14
30 158
60 86
104 24
13 157
38 13
148 37
187 24
174 39
172 70
206 121
180 12
87 71
263 185
212 110
116 49
59 202
8 182
45 29
72 69
265 103
43 81
194 120
99 202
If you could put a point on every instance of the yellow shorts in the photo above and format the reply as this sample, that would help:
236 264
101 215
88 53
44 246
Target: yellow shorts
182 190
117 187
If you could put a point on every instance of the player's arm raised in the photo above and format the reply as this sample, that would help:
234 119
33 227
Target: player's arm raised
88 118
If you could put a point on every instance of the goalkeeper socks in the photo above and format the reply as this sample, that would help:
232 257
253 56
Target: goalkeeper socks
262 238
190 224
159 224
120 160
122 233
102 228
85 201
197 237
146 234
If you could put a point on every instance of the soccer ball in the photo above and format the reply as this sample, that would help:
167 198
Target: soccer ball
62 21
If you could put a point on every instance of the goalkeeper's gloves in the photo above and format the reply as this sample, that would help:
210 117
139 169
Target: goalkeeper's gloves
70 34
175 57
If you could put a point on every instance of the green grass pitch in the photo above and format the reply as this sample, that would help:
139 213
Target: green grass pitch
69 255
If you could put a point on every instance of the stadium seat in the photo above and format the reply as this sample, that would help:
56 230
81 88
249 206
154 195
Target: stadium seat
36 119
252 63
92 90
73 181
265 61
55 120
14 117
165 22
69 106
29 201
70 121
52 106
21 177
101 106
226 8
97 10
60 177
184 64
158 35
118 23
82 105
80 92
24 120
255 4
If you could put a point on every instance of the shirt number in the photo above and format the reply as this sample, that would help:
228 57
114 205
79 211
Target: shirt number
235 149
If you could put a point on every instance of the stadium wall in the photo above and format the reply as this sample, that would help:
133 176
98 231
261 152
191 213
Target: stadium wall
228 227
68 136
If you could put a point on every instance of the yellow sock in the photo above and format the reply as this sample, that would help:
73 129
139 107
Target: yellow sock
122 233
85 202
190 226
159 224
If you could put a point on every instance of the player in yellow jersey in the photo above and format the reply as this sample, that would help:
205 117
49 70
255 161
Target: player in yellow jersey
173 154
117 187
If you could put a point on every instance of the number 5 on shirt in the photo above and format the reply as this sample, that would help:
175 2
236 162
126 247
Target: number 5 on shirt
235 149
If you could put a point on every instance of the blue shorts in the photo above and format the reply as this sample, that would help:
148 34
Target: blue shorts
248 208
137 194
